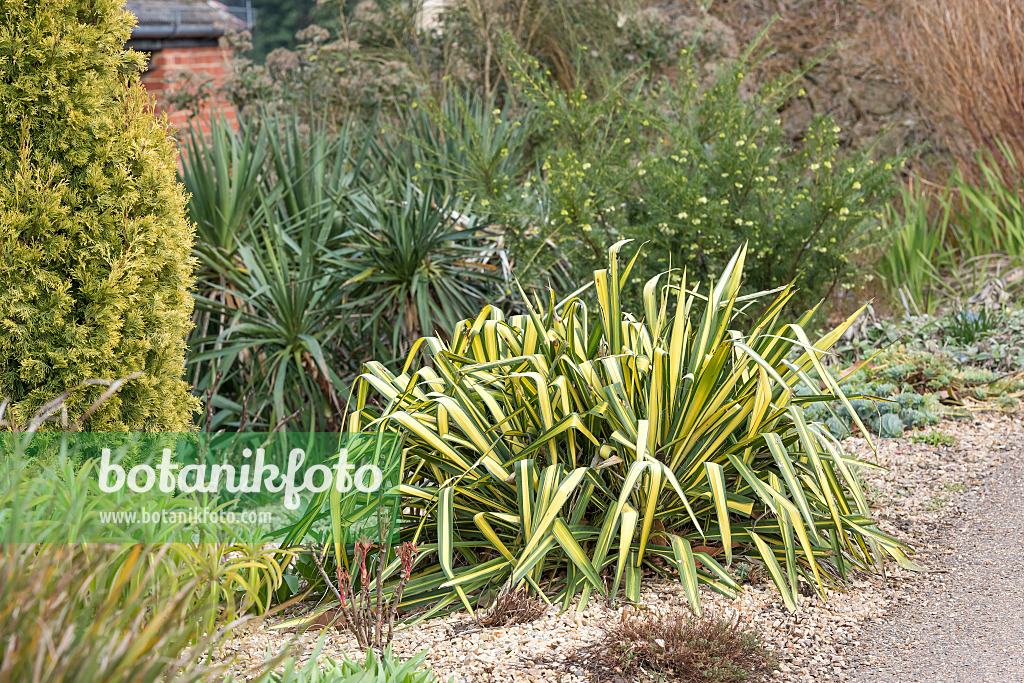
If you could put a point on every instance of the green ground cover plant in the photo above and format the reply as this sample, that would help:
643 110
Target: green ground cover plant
380 668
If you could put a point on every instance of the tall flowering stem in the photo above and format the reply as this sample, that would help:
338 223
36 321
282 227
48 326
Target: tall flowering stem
371 619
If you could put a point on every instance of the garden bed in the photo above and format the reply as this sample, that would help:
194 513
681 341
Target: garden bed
917 499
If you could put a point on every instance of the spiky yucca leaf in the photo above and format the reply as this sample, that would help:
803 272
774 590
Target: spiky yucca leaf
556 445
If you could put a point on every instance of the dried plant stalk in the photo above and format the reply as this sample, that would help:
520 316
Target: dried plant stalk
967 64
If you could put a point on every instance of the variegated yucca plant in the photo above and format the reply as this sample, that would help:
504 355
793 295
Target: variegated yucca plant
573 448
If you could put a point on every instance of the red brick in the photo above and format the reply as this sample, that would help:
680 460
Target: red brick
207 63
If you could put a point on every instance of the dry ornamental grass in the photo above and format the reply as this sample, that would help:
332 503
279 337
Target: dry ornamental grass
967 62
513 606
651 644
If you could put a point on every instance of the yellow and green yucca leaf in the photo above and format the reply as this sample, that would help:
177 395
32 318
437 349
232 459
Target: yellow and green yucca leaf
687 571
576 440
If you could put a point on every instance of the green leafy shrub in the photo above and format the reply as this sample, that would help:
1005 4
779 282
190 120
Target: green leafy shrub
96 265
695 169
549 447
221 170
272 343
708 649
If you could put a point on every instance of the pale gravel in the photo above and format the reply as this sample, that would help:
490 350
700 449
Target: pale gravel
860 635
963 621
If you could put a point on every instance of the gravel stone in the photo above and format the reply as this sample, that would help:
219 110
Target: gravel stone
963 620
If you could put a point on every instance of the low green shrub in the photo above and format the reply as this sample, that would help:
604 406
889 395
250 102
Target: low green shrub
318 250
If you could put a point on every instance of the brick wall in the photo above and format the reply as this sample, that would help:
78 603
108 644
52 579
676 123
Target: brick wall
206 63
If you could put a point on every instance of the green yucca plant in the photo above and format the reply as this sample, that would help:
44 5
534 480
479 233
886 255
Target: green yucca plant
573 445
282 314
222 171
419 264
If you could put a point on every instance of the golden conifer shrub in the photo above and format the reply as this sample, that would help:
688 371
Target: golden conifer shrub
95 248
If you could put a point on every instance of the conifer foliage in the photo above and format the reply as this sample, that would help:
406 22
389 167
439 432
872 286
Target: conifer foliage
95 248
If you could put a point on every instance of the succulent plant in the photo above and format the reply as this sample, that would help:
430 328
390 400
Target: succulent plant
838 428
890 426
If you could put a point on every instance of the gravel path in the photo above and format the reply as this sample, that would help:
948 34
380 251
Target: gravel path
965 620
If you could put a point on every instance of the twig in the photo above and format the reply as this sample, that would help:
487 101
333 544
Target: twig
323 573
